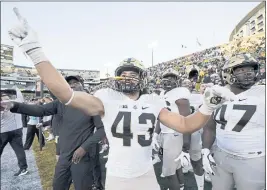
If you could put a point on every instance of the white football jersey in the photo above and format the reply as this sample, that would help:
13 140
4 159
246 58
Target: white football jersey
196 100
129 126
240 128
170 97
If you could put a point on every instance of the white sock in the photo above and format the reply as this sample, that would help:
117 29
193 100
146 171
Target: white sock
181 186
200 182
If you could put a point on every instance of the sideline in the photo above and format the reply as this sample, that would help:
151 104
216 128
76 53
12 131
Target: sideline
9 166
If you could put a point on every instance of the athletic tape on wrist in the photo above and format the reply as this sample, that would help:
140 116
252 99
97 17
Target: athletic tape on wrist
71 98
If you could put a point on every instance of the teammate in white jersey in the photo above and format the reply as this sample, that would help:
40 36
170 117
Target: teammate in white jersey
128 115
170 140
239 129
192 142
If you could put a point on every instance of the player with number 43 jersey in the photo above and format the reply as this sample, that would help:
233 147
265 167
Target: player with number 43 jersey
128 113
239 129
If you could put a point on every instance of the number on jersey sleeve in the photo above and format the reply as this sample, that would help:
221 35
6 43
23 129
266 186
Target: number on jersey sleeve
249 112
127 135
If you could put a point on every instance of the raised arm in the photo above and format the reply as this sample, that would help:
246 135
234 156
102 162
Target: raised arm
27 40
61 89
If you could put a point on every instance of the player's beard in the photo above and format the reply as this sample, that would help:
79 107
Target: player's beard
128 86
130 89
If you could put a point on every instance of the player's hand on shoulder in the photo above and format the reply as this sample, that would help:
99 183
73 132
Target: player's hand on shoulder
208 161
214 97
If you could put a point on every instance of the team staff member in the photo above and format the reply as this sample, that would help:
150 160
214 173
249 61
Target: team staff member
11 132
32 130
94 155
75 138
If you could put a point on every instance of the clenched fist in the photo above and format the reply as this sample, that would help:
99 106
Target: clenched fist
214 97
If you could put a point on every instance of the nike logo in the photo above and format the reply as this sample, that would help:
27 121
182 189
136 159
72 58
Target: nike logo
144 108
242 99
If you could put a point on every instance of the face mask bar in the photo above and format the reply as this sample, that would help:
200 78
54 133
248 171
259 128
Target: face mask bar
169 84
244 80
127 84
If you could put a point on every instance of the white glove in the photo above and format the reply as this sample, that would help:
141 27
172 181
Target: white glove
214 97
39 125
185 159
155 143
208 161
23 36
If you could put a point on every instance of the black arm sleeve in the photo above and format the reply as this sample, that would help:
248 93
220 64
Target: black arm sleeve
97 136
209 133
24 120
36 110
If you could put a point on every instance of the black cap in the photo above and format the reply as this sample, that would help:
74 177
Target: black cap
75 77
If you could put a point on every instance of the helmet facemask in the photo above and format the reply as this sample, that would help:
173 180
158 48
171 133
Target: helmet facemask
244 76
129 80
169 82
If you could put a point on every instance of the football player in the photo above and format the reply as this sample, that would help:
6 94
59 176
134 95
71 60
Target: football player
239 129
192 144
128 114
170 140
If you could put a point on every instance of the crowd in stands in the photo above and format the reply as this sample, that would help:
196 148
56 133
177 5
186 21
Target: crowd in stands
207 62
85 74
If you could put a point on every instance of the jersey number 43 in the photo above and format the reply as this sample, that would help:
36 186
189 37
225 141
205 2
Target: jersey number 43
127 134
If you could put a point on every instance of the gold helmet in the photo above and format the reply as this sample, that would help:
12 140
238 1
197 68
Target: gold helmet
169 79
130 84
243 79
170 72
